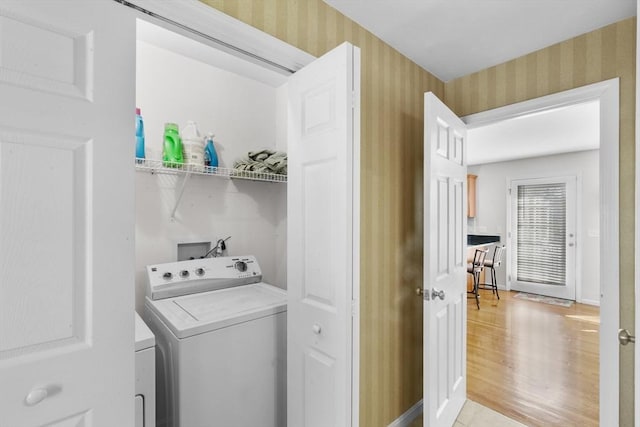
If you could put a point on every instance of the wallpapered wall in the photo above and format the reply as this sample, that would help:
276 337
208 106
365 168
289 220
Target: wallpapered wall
391 198
391 194
596 56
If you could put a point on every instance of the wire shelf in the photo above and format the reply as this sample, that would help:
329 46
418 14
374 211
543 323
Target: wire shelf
160 167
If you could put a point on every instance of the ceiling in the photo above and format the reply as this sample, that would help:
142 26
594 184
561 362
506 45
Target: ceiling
453 38
561 130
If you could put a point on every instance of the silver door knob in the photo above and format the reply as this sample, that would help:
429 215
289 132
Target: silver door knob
625 337
36 396
422 293
437 294
317 329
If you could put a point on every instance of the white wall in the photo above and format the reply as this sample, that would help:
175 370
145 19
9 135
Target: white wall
243 114
491 217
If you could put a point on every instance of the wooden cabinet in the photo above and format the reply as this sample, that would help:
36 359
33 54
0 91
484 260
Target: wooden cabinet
471 195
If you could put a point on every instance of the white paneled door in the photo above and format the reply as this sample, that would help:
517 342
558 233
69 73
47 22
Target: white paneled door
323 238
444 289
66 213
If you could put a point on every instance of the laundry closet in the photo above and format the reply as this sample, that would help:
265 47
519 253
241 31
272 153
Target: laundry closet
232 345
226 331
243 104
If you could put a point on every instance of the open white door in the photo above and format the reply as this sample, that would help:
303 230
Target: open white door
323 241
66 213
444 289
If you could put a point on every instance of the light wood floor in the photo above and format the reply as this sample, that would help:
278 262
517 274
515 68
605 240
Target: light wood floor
536 363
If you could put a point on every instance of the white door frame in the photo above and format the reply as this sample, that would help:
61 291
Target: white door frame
578 272
607 93
198 21
573 275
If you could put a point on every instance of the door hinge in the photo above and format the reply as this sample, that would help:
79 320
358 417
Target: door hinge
353 100
354 308
509 191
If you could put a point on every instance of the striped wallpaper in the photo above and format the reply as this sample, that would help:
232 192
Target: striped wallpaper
596 56
391 194
391 199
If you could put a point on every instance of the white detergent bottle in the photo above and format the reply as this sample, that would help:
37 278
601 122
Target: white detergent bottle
193 144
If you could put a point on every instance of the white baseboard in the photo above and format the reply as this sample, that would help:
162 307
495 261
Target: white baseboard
407 418
590 302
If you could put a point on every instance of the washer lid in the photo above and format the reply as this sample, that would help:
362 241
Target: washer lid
195 314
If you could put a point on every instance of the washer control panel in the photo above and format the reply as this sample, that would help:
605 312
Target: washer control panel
201 275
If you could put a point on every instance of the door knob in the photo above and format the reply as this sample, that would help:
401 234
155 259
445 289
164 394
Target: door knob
36 396
317 329
437 294
625 337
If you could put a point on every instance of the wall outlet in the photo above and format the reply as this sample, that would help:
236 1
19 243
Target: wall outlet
192 250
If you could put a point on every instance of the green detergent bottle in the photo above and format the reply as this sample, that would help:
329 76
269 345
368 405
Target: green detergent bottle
172 149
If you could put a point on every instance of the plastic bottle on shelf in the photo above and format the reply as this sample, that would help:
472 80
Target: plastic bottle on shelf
210 155
139 137
172 148
193 146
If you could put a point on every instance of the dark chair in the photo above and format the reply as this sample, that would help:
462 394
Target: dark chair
491 264
475 268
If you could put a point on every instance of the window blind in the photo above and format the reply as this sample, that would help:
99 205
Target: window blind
541 240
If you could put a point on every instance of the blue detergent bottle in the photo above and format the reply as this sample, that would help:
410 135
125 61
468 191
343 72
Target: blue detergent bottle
139 137
210 155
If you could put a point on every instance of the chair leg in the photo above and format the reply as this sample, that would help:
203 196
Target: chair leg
476 286
494 281
493 286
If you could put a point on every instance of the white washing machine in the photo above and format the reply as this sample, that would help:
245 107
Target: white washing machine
145 362
221 344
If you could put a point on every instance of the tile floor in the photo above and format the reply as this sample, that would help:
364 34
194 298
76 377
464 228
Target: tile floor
475 415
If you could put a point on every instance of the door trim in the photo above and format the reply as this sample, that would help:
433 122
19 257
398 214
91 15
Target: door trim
512 222
203 23
355 233
607 93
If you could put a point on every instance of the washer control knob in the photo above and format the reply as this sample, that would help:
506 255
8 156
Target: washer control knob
184 274
168 275
200 272
241 266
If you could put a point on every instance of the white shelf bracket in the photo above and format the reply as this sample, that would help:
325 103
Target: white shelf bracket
183 185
